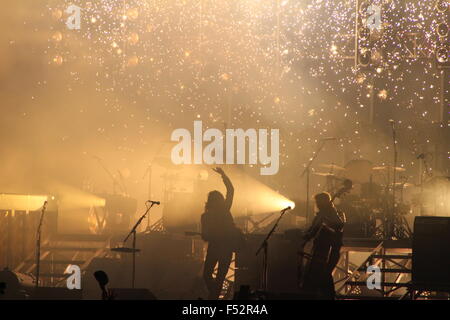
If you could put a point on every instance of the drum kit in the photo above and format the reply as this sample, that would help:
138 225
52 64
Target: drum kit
369 207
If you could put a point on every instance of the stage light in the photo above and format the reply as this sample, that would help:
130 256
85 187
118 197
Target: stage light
263 199
57 60
365 57
364 8
442 5
133 38
334 49
442 29
377 56
364 33
442 48
203 175
360 78
288 203
268 200
442 54
81 199
133 61
133 13
57 14
57 36
383 94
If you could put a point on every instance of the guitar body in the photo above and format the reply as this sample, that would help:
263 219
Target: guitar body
304 258
316 269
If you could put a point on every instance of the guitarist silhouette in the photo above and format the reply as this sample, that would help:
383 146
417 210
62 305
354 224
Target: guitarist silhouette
326 232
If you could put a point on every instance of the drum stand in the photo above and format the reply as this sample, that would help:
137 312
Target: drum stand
307 171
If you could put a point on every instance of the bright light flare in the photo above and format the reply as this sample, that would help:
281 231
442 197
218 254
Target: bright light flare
74 198
252 195
22 202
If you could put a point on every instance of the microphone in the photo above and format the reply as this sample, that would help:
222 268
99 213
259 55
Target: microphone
153 202
421 156
286 209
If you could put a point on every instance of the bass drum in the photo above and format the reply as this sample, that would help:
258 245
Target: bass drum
361 221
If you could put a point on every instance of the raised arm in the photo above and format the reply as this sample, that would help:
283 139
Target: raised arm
229 186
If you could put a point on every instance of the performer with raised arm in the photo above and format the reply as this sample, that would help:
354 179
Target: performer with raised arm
218 229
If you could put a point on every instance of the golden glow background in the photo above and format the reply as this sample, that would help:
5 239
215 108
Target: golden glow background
138 69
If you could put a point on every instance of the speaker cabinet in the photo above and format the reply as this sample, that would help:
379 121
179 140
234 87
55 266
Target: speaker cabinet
431 252
132 294
47 293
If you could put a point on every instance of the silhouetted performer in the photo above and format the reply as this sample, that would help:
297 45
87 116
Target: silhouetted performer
327 232
218 229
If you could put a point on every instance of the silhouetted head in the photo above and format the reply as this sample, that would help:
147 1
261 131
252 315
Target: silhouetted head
101 277
215 201
323 200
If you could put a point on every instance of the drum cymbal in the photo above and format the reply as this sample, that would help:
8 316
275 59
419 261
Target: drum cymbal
324 174
404 185
332 167
389 168
399 185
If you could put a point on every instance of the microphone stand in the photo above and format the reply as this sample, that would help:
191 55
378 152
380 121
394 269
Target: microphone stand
394 180
148 173
307 171
133 232
265 247
38 244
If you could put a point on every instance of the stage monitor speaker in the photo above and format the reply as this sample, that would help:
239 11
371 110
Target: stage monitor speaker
282 261
431 252
49 293
132 294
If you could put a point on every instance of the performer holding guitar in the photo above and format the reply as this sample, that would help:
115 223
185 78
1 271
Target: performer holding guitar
327 232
